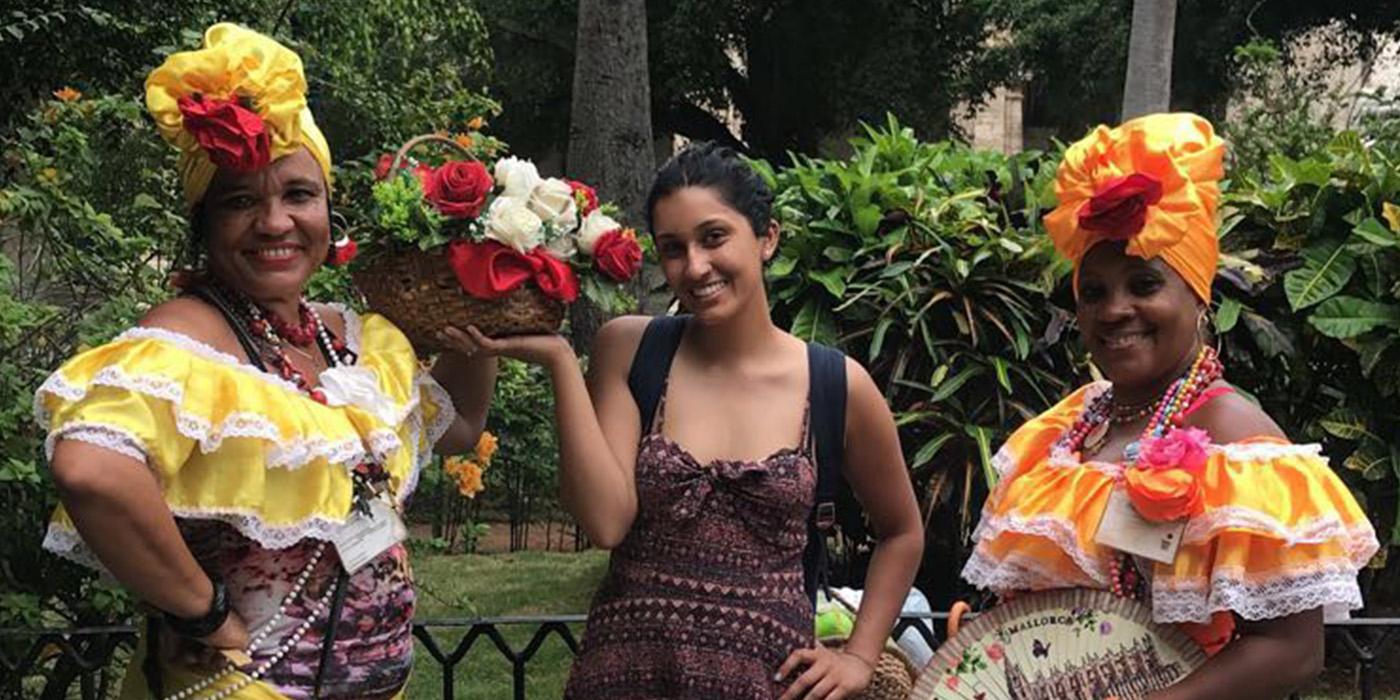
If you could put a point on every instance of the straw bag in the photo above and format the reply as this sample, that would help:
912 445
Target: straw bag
894 674
418 291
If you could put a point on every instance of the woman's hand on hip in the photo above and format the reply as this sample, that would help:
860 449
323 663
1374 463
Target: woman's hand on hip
830 675
214 652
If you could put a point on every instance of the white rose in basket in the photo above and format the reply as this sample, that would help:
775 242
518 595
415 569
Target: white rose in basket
511 222
594 226
517 177
553 200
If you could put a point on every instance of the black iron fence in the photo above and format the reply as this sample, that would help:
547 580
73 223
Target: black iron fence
54 661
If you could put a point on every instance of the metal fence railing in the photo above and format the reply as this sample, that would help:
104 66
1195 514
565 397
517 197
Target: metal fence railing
55 660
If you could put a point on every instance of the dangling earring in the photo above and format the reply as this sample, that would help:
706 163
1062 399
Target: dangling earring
1204 324
343 249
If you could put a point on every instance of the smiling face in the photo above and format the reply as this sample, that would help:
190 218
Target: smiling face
710 254
1138 318
267 232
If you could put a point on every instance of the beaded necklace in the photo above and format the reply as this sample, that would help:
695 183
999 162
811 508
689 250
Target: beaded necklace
1090 432
368 477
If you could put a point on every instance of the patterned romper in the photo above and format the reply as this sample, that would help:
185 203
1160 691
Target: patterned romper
704 598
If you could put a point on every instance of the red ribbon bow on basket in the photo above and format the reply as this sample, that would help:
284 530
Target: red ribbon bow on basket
491 270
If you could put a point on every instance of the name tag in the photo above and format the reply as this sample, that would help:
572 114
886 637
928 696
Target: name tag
362 538
1124 529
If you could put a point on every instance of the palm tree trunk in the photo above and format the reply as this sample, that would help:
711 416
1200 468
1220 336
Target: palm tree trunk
610 143
1148 86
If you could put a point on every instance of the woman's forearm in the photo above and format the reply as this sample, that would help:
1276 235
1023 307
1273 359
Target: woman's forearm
1267 662
117 507
593 486
471 382
892 568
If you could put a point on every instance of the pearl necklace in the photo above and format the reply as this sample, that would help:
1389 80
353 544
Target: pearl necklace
261 633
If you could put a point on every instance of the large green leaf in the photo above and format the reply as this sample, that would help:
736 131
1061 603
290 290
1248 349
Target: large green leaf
1267 334
1374 232
1227 315
814 323
1345 424
1348 317
1327 267
1371 460
834 279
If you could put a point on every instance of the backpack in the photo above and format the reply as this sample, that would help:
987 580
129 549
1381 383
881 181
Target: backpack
827 375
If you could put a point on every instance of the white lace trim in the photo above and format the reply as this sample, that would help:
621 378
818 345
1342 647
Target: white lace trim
1016 573
205 351
1059 531
1266 451
1359 539
68 544
1331 586
103 435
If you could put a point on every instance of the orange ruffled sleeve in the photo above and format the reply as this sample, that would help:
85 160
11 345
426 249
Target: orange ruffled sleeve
1280 534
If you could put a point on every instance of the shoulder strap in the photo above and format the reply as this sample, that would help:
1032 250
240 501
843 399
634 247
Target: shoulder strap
827 374
827 368
652 364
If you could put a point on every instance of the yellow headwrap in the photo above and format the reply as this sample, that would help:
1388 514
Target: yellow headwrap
1153 182
240 103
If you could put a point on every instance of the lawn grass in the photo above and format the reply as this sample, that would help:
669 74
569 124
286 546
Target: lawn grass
525 583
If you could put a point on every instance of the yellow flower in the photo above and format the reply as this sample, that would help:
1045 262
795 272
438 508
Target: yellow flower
486 447
469 483
49 175
1392 216
476 123
463 140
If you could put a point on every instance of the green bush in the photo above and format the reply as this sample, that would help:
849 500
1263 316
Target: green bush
1310 309
927 262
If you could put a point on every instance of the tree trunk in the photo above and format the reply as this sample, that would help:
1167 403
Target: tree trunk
1148 86
610 120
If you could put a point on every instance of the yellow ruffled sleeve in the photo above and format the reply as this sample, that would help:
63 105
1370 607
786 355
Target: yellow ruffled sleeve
228 442
1280 533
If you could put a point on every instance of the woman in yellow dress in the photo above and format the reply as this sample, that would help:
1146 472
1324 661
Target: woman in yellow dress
1270 540
208 457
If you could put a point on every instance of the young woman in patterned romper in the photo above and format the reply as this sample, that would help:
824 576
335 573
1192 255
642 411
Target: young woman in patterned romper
706 512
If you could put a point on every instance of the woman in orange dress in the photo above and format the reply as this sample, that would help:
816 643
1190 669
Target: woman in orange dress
1270 540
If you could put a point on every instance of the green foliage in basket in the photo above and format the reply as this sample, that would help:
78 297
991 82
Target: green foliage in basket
404 217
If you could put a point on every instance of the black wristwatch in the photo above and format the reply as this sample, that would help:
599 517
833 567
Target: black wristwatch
206 624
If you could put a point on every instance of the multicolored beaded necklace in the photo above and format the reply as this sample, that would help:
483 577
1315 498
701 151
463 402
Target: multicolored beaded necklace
1091 430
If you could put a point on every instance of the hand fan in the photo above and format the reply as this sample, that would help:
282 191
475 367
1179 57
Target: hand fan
1058 645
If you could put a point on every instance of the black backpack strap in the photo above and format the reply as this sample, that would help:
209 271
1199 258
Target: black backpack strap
652 364
827 369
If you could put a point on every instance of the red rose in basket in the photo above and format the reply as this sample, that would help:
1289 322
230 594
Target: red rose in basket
456 244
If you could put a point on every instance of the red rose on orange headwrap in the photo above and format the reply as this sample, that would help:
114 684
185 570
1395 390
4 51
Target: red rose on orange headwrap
233 135
1119 210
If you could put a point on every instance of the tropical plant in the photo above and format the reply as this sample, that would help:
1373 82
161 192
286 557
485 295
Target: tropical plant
1310 317
926 262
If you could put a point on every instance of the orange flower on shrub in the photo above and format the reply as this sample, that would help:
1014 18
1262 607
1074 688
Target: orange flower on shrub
486 447
67 94
476 123
469 482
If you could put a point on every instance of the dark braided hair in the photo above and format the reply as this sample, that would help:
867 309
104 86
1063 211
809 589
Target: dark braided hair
708 164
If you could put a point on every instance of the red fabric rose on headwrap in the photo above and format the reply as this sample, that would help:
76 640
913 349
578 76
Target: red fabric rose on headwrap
233 135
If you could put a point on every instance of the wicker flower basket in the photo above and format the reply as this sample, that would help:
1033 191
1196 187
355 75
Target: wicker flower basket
894 674
418 291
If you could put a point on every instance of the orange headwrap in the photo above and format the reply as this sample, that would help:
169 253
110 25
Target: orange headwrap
1152 182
